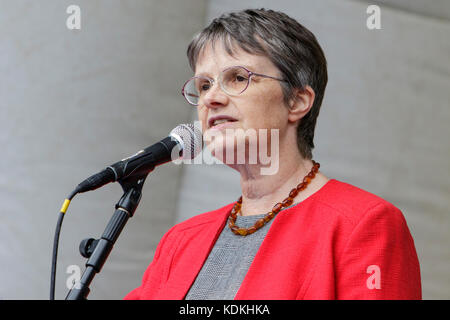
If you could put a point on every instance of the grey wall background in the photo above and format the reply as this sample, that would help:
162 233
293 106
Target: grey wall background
74 101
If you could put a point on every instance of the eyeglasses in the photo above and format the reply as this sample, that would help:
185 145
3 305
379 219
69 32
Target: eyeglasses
232 80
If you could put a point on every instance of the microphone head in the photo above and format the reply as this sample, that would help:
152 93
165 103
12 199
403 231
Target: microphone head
190 138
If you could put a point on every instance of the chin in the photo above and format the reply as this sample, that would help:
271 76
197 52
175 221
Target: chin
232 150
222 150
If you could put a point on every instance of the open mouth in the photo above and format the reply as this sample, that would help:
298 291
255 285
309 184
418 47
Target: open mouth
220 121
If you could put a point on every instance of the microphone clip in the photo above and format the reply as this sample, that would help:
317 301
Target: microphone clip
132 193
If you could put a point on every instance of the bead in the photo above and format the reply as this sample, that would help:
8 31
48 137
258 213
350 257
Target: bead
276 208
287 202
293 193
242 231
306 179
259 223
233 228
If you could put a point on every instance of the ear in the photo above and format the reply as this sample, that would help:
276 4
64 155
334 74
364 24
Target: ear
301 103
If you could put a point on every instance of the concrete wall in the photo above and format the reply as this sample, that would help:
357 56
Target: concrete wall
384 121
72 102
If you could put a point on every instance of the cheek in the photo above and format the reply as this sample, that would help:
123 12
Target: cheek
202 117
268 114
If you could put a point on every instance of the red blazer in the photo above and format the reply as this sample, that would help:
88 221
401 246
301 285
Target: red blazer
340 243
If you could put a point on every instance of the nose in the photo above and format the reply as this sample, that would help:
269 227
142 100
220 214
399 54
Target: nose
215 97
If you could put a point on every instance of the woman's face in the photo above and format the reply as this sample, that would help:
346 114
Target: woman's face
260 106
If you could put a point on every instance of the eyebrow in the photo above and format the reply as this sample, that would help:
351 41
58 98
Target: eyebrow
206 74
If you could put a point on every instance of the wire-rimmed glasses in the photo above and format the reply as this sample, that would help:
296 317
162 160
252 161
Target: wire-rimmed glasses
233 81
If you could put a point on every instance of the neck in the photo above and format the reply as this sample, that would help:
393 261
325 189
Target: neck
261 192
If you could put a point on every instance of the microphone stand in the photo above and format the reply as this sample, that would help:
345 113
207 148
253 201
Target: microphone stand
98 250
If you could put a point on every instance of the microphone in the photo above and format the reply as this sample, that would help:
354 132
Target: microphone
184 141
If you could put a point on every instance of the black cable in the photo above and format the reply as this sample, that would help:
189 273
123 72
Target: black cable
56 241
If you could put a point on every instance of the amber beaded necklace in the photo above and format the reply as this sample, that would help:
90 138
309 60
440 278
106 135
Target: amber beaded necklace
276 208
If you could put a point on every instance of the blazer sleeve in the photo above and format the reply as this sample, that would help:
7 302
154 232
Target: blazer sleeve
151 278
379 260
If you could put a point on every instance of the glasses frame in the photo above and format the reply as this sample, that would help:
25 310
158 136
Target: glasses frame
212 81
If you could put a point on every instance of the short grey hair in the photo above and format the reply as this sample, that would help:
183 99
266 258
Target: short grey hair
291 47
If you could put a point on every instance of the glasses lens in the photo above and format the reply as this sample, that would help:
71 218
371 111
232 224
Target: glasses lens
195 88
234 80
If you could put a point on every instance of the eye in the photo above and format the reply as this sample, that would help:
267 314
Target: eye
203 86
240 78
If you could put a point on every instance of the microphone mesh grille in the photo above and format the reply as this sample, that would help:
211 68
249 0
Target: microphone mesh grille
192 139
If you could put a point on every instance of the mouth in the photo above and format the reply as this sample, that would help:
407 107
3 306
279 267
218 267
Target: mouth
218 122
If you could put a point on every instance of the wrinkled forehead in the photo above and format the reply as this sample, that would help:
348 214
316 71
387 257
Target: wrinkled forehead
220 53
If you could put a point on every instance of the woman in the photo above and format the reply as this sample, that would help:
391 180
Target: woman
294 233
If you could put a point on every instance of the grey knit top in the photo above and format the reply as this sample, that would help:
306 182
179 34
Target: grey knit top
228 262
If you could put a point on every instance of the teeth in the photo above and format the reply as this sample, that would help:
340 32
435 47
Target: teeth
216 122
